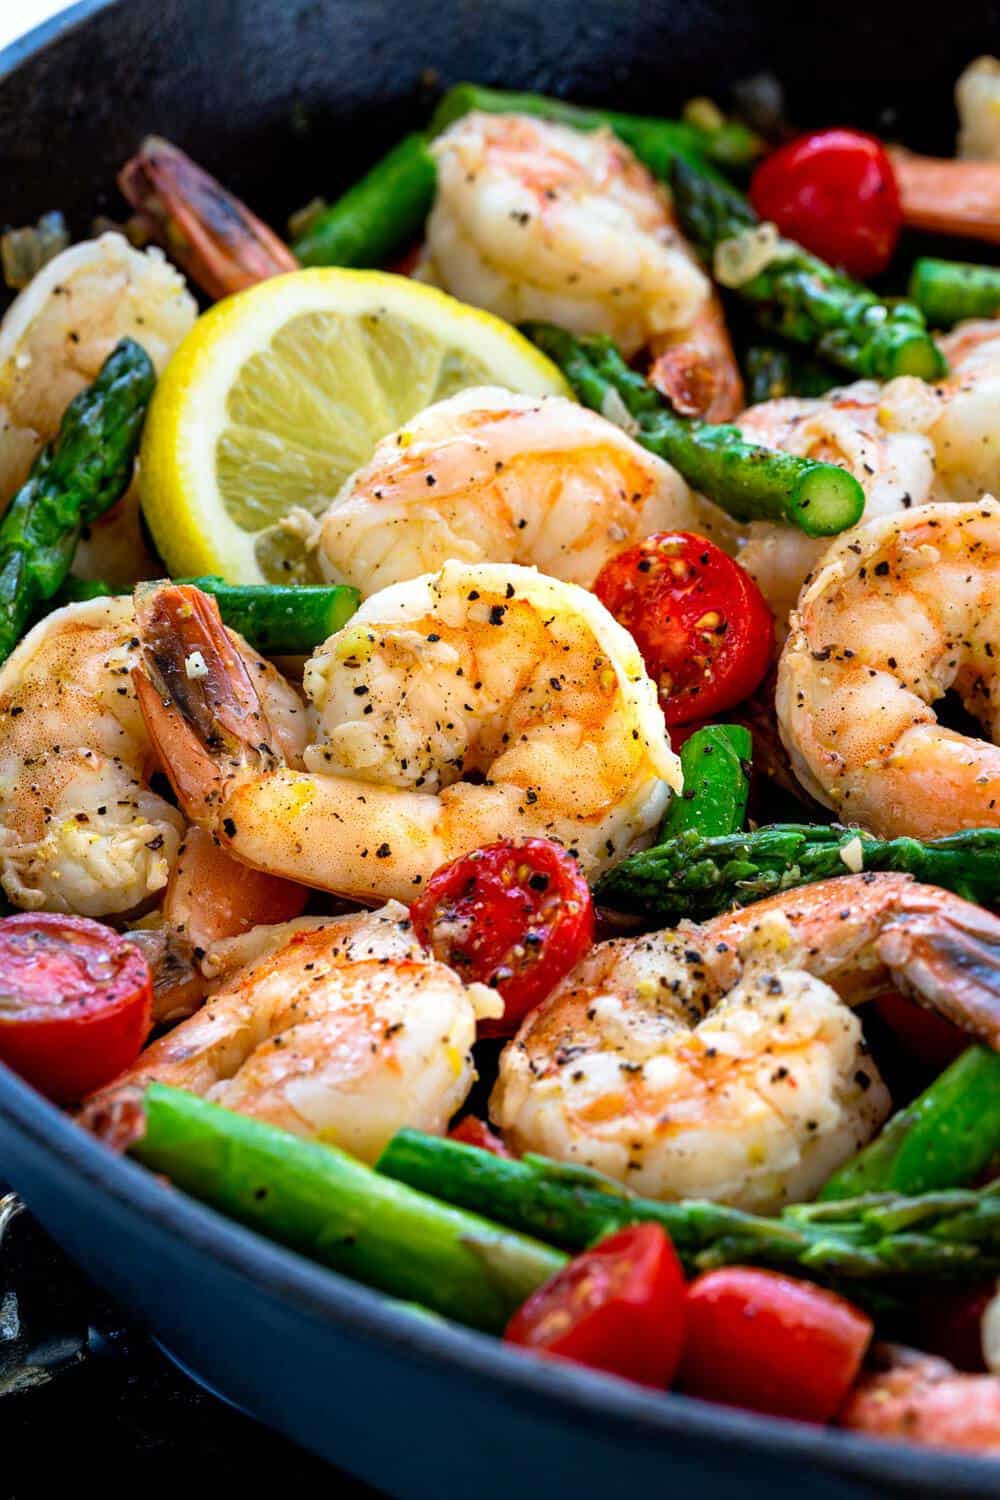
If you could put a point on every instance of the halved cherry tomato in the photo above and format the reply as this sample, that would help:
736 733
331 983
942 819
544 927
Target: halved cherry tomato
771 1343
475 1132
515 916
948 1320
76 1002
835 192
925 1035
701 623
617 1307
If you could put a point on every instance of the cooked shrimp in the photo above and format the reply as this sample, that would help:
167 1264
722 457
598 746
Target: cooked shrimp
722 1061
523 685
345 1034
947 196
221 245
696 368
210 895
918 1398
901 611
80 828
977 96
59 331
895 470
488 476
536 220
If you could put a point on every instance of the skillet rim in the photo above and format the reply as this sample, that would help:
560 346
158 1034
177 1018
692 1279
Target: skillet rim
324 1293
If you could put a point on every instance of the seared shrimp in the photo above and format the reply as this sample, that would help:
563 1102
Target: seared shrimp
345 1034
917 1398
80 828
722 1061
536 220
895 470
491 672
60 330
901 610
488 476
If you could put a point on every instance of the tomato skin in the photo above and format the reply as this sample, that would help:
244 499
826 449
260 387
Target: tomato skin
834 192
948 1321
619 1306
475 1132
77 1003
699 620
925 1035
515 916
771 1343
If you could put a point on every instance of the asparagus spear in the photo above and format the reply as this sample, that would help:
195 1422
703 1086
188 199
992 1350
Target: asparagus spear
948 290
73 481
770 373
656 142
878 1236
327 1205
697 877
944 1139
379 217
276 619
750 482
715 764
801 298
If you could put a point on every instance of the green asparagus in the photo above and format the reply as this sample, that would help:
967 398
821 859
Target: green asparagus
948 290
750 482
715 764
73 481
800 297
771 373
880 1236
379 217
944 1139
331 1207
696 877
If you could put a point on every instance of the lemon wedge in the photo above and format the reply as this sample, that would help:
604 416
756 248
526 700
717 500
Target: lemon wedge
278 394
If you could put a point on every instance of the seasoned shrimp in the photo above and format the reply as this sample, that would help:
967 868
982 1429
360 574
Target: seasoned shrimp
536 220
60 330
917 1398
901 610
344 1034
80 828
895 470
488 476
524 686
722 1061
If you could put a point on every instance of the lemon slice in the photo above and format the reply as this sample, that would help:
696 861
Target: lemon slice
278 394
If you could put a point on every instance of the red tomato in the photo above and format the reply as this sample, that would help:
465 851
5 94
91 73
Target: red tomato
617 1307
474 1132
834 191
922 1033
77 1002
515 916
700 621
948 1320
771 1343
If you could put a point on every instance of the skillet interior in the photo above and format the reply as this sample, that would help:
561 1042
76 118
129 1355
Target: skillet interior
284 99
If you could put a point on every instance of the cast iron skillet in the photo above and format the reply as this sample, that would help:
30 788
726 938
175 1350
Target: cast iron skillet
284 99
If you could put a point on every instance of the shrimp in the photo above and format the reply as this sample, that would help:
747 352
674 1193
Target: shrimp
917 1398
895 470
210 895
345 1034
524 686
537 220
81 830
221 245
61 328
902 610
488 476
722 1061
946 196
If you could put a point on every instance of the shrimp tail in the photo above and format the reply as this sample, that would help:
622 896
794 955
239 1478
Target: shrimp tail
946 956
210 234
697 371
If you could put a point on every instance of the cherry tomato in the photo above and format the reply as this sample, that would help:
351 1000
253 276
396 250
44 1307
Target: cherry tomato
474 1132
515 916
76 1004
701 623
834 191
619 1306
926 1036
948 1320
771 1343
